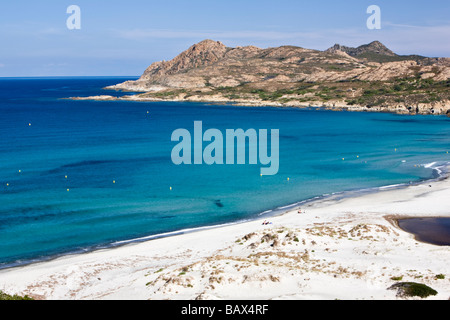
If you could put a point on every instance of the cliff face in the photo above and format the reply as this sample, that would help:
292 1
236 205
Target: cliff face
209 68
374 47
199 55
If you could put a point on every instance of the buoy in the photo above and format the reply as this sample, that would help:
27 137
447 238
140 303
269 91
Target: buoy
170 188
20 171
114 181
357 156
343 159
68 190
65 177
7 184
287 179
29 124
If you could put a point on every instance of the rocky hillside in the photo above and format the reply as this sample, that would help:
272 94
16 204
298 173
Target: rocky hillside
367 77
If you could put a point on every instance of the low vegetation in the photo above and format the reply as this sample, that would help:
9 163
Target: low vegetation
4 296
409 91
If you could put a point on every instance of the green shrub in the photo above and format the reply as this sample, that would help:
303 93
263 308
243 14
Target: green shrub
4 296
412 289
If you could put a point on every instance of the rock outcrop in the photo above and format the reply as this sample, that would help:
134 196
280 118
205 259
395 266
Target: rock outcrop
202 54
374 47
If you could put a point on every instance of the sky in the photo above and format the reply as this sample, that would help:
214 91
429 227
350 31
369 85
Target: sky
122 38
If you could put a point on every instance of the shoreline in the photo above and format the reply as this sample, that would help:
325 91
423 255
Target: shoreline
275 212
76 276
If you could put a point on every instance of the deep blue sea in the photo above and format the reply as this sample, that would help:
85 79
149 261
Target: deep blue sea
78 175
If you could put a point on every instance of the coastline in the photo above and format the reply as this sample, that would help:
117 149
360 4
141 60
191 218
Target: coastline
175 267
332 105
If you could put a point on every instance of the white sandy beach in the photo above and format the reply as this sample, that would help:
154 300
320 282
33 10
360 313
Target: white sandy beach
338 249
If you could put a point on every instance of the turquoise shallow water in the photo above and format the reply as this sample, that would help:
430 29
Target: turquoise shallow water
44 139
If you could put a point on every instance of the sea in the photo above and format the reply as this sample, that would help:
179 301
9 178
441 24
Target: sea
76 176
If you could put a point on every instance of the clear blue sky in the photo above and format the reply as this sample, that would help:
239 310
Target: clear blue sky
124 37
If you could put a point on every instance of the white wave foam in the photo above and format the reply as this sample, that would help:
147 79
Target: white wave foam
430 165
392 186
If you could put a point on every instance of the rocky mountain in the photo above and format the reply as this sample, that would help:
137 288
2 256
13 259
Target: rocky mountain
370 76
374 47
